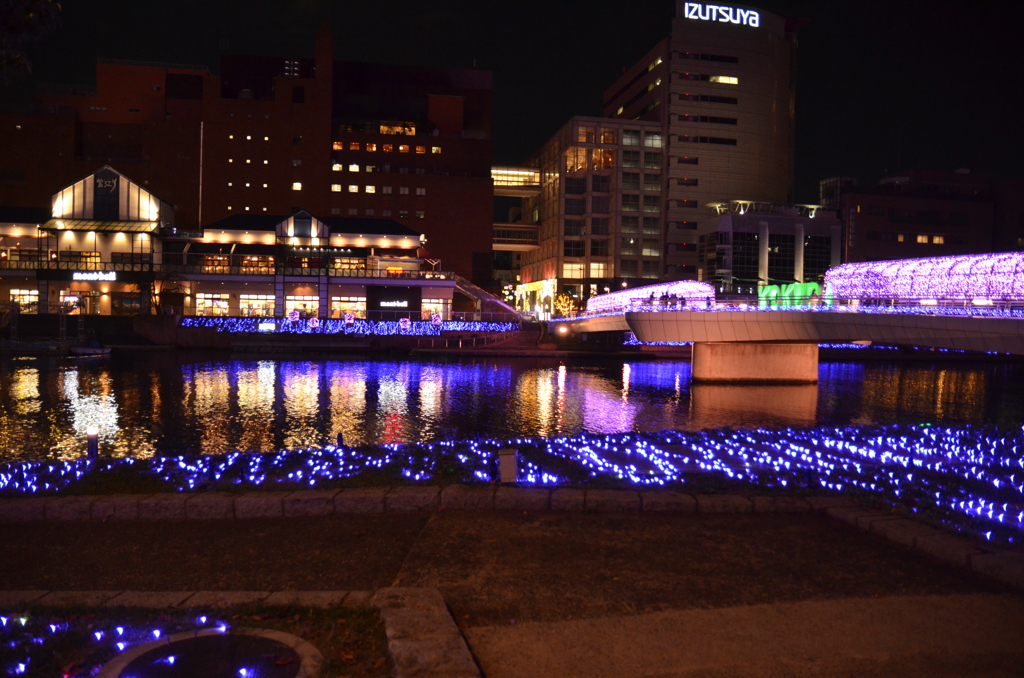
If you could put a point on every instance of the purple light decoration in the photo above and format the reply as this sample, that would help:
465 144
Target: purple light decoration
690 290
967 277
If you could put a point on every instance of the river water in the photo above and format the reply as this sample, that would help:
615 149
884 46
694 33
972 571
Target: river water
167 403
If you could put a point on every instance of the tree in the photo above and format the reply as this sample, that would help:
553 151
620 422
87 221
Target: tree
565 305
22 21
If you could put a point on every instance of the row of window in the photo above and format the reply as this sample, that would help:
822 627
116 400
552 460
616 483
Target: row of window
386 190
723 79
686 138
353 212
602 184
385 148
628 225
353 167
602 205
709 98
707 118
707 57
919 238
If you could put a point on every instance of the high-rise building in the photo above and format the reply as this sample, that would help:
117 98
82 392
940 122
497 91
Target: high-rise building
721 87
271 136
599 212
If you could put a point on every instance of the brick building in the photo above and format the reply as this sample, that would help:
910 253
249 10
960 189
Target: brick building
268 136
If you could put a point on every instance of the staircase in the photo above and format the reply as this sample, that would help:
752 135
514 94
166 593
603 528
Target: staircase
488 303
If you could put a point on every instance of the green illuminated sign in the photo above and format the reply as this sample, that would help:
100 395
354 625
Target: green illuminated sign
796 294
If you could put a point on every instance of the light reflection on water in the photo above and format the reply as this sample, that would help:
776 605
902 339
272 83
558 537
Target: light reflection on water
171 403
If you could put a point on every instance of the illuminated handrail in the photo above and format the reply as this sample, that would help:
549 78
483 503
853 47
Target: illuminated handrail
217 269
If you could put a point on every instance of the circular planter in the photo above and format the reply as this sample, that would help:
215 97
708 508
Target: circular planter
261 653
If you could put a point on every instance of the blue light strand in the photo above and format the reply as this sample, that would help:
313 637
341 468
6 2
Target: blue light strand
416 328
966 475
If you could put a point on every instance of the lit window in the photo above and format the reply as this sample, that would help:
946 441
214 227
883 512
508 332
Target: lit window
403 148
631 137
230 160
248 138
264 185
389 148
922 239
297 186
725 79
266 138
899 237
337 167
435 149
421 215
338 146
403 190
421 191
246 209
336 188
264 209
229 208
353 188
572 270
247 184
247 161
266 162
353 146
231 136
230 184
938 240
652 140
353 168
371 189
370 168
372 148
386 190
421 149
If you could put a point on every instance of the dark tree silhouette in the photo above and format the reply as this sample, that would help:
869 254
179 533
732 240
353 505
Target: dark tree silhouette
22 21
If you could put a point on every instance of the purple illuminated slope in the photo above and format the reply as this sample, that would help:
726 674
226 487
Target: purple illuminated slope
690 290
973 276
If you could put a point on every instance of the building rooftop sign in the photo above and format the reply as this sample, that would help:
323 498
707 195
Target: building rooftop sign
721 13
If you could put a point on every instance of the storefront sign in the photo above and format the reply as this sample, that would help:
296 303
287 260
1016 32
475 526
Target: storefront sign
394 304
722 14
94 276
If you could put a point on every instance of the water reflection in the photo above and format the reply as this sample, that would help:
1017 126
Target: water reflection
177 402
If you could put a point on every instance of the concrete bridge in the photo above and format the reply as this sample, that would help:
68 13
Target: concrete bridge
781 345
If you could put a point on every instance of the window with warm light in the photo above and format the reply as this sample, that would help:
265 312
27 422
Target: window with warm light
725 79
353 146
297 186
389 148
923 239
336 188
421 214
372 148
352 188
338 146
371 189
337 167
436 150
938 240
402 148
266 162
421 149
353 168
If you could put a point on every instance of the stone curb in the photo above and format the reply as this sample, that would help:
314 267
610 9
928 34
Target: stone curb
1004 567
400 499
160 600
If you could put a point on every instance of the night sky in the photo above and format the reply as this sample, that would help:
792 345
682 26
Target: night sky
880 85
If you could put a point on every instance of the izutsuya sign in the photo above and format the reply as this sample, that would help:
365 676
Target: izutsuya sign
721 13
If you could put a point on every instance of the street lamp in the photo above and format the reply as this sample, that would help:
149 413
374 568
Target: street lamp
92 435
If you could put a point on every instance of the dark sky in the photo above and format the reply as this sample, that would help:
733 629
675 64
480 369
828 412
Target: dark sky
880 85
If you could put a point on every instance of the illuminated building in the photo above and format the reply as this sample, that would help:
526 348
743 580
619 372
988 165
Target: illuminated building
270 136
721 88
110 247
752 244
915 214
598 212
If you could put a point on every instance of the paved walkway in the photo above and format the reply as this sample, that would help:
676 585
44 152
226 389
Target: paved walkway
926 636
553 593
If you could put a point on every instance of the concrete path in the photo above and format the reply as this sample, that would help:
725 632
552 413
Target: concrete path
951 635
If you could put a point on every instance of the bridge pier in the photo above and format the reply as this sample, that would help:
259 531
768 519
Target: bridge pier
755 362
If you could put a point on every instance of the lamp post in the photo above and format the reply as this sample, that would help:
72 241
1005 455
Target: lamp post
92 435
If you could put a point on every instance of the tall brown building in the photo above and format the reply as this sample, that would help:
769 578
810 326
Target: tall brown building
916 214
722 88
273 136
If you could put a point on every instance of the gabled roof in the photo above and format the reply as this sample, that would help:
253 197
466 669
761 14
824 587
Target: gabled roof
24 215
